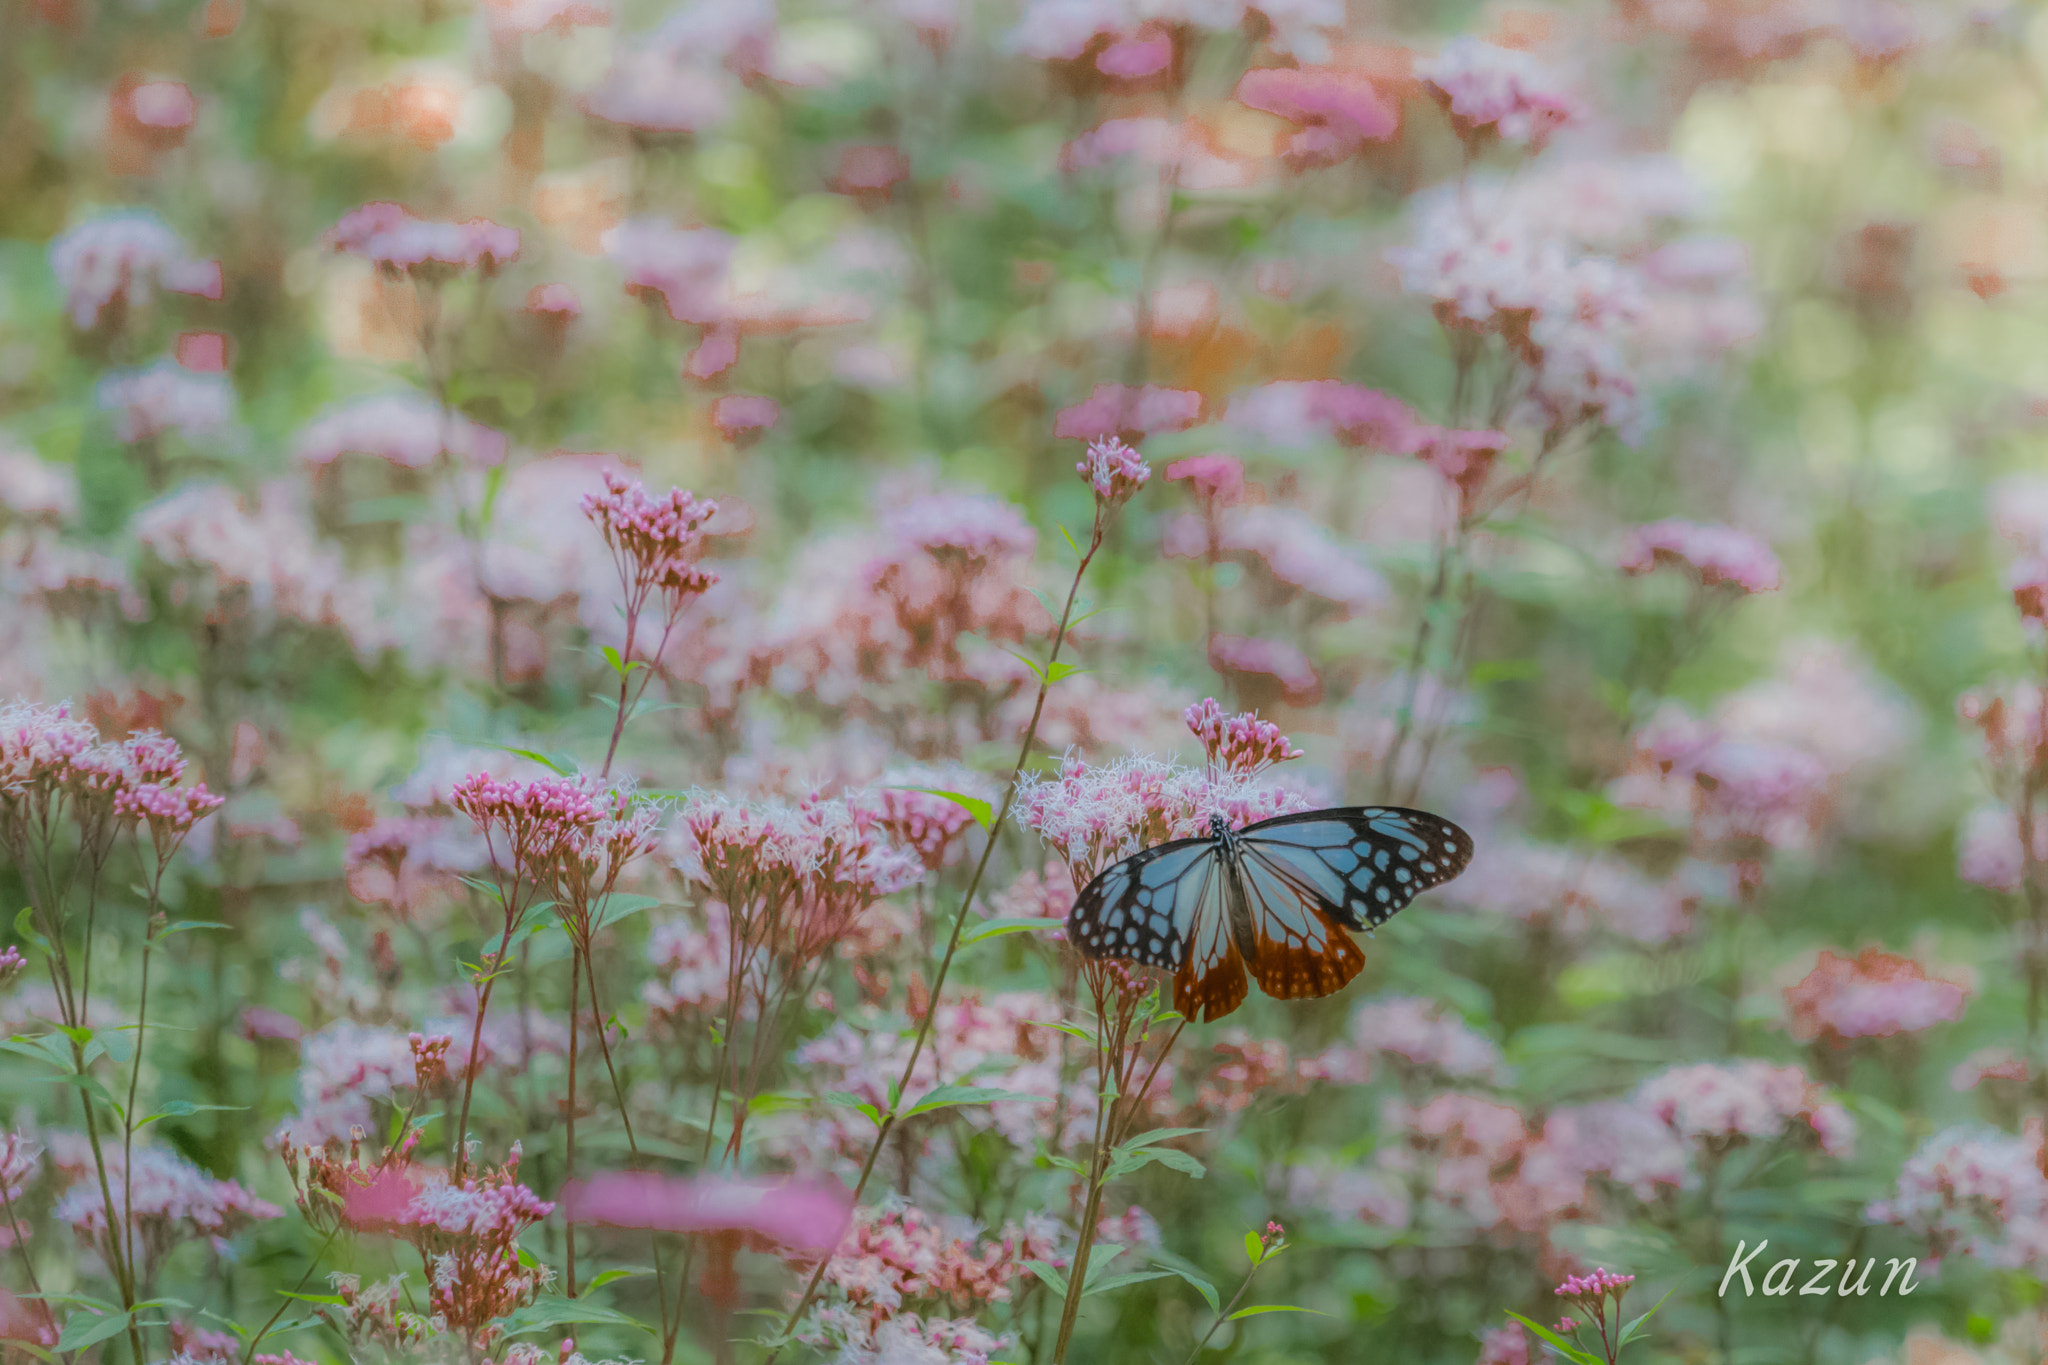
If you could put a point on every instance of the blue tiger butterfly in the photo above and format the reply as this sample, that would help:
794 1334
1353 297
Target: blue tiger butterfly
1275 897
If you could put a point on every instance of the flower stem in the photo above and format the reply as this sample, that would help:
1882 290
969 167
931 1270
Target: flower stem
924 1027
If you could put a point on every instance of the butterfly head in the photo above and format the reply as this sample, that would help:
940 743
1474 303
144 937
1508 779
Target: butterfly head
1218 825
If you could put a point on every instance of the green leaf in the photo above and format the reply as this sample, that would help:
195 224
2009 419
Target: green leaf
1156 1135
312 1298
947 1096
1070 542
984 812
1165 1156
1109 1282
845 1100
561 765
25 928
551 1311
1048 1275
1628 1333
1202 1287
186 926
1259 1308
1254 1249
996 928
178 1109
1074 1030
84 1329
606 1277
619 665
1564 1348
620 905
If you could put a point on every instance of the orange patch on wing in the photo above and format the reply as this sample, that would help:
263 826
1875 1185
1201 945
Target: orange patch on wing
1295 972
1215 994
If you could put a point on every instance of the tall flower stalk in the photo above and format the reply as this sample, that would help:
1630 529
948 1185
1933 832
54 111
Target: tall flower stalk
1115 472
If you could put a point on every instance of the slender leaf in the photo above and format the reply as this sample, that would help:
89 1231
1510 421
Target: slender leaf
1259 1308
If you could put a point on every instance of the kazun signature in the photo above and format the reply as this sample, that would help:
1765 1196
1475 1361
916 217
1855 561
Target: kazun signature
1779 1279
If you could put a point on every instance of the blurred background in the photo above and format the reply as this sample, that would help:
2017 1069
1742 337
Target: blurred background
1619 427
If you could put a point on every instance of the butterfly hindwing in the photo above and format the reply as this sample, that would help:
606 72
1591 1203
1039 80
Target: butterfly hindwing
1363 862
1301 952
1210 982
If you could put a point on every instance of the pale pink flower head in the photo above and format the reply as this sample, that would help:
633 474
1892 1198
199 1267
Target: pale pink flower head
1507 1345
2028 580
1217 479
1993 1064
1113 470
1718 555
555 300
1122 410
166 397
800 1215
32 491
1337 111
408 430
1721 1103
393 238
1137 56
119 258
1872 995
1276 663
1498 91
1241 744
744 414
1975 1192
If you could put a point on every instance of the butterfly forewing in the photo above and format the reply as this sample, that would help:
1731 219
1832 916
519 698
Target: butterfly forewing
1144 909
1364 862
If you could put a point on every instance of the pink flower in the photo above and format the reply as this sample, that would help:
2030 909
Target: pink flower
714 355
1217 478
1498 90
1872 995
1136 57
202 352
869 169
1338 111
391 236
1989 1064
1241 744
655 542
737 414
1601 1283
408 430
1296 414
1114 409
1975 1193
1291 546
685 266
553 300
1507 1345
1717 554
163 104
1275 659
1724 1102
167 397
801 1215
119 257
1113 470
33 491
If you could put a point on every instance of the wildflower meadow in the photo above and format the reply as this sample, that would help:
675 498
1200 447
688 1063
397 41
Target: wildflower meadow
604 605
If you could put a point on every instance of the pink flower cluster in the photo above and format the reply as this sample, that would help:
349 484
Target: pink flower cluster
1598 1284
1113 470
1872 995
232 563
1499 91
1975 1193
1114 409
803 1216
899 1255
165 1199
1416 1033
118 257
1575 892
655 542
392 237
1733 791
573 835
407 430
1268 664
1289 545
1241 744
1718 555
167 397
1091 816
48 758
1335 111
1720 1103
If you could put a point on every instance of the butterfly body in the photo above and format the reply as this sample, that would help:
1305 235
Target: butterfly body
1274 899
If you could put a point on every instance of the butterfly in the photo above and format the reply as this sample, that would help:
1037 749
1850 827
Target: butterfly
1275 897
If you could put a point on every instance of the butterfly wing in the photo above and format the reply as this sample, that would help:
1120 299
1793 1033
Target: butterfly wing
1301 951
1360 863
1164 908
